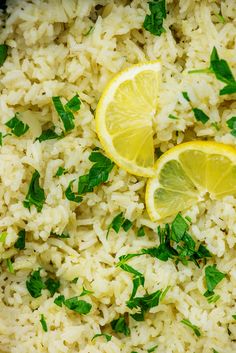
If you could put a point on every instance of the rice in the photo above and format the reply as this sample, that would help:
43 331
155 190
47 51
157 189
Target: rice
59 48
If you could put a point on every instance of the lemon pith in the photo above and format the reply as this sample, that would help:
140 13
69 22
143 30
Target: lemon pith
124 118
186 172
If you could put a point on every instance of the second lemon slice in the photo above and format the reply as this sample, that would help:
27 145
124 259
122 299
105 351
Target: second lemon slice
124 118
186 172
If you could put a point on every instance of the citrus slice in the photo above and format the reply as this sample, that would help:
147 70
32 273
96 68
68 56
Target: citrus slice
124 118
186 172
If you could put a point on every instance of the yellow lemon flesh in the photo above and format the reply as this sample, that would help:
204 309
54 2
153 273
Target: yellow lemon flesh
124 118
185 173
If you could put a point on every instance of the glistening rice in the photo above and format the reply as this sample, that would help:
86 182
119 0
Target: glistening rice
52 54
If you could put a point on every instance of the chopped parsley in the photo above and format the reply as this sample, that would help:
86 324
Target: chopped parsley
193 327
43 323
214 351
186 96
10 266
173 117
234 317
89 31
52 285
200 115
153 23
75 280
66 111
20 243
49 134
60 171
3 53
106 336
79 306
127 225
141 232
61 236
120 326
35 195
118 222
35 284
213 276
232 125
71 195
179 227
18 128
85 292
3 236
150 350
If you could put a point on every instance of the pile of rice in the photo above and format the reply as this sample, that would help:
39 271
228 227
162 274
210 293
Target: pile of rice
50 54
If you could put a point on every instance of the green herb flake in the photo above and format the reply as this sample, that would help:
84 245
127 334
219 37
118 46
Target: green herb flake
214 351
18 128
228 89
10 266
3 53
186 96
60 171
178 228
213 276
150 350
35 284
85 292
116 223
3 236
106 336
216 126
193 327
74 104
234 317
79 306
232 125
43 323
48 134
72 196
200 115
127 225
35 195
211 297
59 300
146 302
153 23
90 30
173 117
52 285
1 138
75 280
61 236
20 243
120 326
141 232
65 115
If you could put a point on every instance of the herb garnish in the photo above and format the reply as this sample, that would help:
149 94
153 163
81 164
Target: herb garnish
200 115
141 232
232 125
3 236
35 195
118 222
10 266
66 112
153 23
3 53
48 134
85 292
79 306
213 276
17 127
107 337
35 284
60 171
193 327
234 317
43 323
120 326
173 117
61 236
52 285
186 96
20 243
150 350
71 195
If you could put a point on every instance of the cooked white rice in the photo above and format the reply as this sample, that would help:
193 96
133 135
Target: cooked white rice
50 55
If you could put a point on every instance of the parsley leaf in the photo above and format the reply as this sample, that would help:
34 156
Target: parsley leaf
52 285
120 326
10 266
211 297
193 327
66 112
118 222
141 232
3 236
170 116
178 228
213 276
72 196
234 317
153 23
3 53
43 323
35 284
200 115
146 302
137 282
61 236
229 89
107 337
48 134
232 125
127 224
59 300
20 243
79 306
35 195
60 171
17 127
186 96
85 292
150 350
214 351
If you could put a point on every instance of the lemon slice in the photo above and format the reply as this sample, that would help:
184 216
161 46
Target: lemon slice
186 172
124 117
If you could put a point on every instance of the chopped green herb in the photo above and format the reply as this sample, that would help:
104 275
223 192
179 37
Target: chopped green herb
186 96
178 228
3 53
66 112
35 195
120 326
127 225
214 351
189 219
153 23
79 306
52 285
73 104
124 258
146 302
141 232
60 171
232 125
211 297
137 282
75 280
213 276
150 350
229 89
107 337
170 116
59 300
1 138
10 266
158 152
3 236
43 323
234 317
200 115
163 294
91 29
20 243
48 134
216 125
61 236
193 327
72 196
35 284
17 127
220 17
116 223
85 292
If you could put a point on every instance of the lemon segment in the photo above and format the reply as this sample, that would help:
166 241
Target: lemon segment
124 118
186 172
